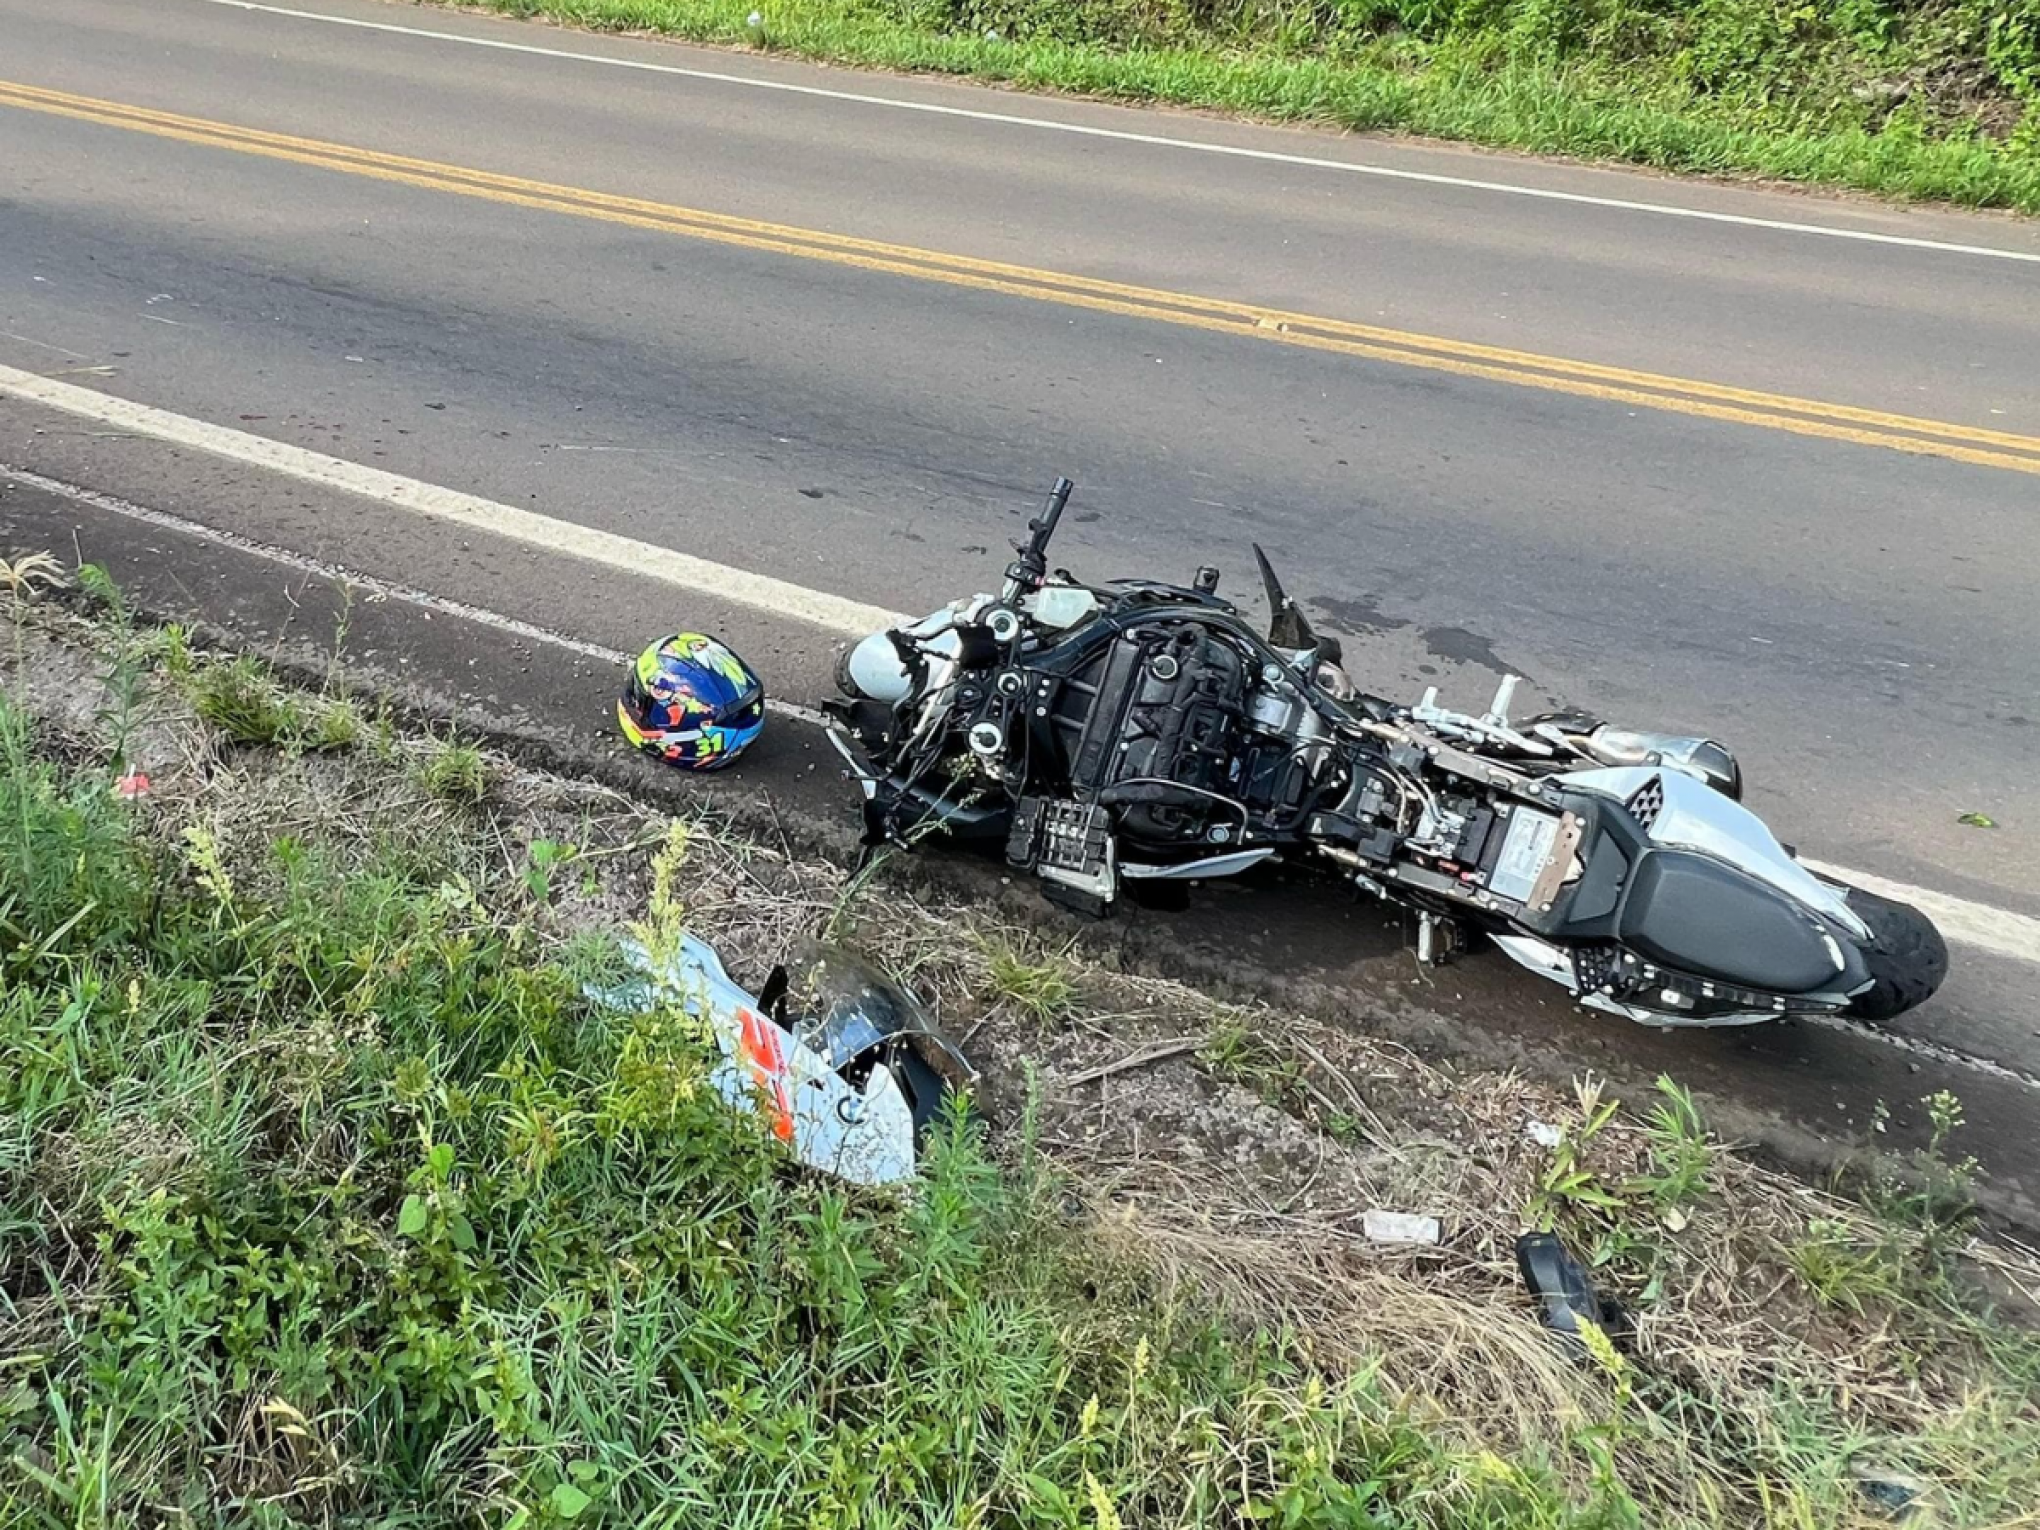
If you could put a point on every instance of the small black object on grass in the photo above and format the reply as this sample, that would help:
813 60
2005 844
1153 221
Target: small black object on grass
1897 1497
1564 1295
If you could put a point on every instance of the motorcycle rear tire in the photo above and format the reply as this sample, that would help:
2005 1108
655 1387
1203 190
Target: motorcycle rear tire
1906 955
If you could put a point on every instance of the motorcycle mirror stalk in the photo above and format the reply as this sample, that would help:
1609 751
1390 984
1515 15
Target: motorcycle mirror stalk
1288 628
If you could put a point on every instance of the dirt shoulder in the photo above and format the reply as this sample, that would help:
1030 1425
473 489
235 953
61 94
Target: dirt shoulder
1784 1346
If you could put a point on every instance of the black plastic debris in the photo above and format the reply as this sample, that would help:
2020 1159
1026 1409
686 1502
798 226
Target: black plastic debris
1894 1492
1564 1294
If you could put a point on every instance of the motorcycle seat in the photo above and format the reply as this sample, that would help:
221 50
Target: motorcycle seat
1707 918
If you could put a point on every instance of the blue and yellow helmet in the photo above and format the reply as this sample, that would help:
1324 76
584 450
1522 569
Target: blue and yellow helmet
691 702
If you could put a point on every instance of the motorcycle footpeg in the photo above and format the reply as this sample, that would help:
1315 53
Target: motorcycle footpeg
1439 939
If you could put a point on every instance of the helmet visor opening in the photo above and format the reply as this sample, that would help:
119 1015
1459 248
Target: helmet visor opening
747 710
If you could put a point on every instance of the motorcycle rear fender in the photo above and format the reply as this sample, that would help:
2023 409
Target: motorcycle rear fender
1595 907
1701 818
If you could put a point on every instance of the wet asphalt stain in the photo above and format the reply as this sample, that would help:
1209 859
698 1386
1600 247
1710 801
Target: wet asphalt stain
1356 615
1456 645
1462 647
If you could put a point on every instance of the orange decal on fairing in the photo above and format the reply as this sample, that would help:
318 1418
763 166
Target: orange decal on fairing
765 1052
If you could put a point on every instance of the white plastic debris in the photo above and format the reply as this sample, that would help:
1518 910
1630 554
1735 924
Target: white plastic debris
1543 1133
1400 1227
823 1085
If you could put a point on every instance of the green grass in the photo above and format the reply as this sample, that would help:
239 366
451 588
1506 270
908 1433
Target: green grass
1681 1152
326 1198
1840 1271
1241 1052
452 771
241 698
1041 989
1918 100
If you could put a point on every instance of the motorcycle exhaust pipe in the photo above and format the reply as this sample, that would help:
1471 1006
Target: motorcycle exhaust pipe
1701 758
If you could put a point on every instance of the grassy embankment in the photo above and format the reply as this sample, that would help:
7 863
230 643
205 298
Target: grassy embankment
1935 99
327 1198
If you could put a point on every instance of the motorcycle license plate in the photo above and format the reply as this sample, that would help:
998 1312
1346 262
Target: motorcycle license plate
1526 848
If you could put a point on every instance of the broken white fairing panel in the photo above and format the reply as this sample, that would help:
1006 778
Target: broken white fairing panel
863 1132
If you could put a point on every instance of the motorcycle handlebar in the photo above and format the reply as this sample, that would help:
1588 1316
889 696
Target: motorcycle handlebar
1043 525
1032 566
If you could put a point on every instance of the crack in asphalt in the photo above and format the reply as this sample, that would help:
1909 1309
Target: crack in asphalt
1940 1052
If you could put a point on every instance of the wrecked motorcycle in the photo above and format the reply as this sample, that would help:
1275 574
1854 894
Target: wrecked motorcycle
1120 738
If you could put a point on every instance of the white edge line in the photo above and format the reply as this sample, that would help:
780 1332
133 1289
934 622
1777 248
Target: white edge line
2000 931
717 581
1920 1046
498 621
1979 925
353 578
1158 140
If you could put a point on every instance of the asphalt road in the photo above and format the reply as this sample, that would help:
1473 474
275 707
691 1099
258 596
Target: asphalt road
1737 471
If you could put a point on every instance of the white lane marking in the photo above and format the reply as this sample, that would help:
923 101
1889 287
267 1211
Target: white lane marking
1978 925
1157 140
339 573
719 581
352 578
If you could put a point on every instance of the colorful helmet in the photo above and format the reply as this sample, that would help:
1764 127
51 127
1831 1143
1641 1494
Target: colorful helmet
692 703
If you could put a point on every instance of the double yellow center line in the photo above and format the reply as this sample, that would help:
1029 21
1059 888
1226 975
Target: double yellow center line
1649 390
